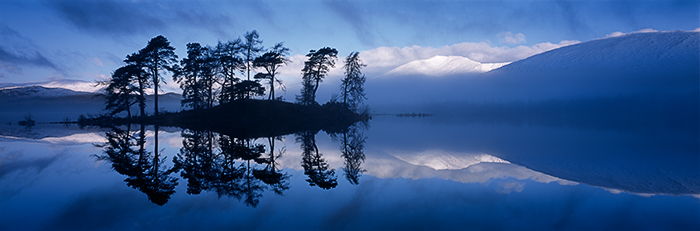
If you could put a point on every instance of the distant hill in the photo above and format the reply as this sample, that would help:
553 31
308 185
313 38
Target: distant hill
73 85
54 104
654 64
675 52
33 92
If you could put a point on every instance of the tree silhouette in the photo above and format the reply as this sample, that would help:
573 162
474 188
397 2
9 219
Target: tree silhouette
246 88
315 70
145 170
120 90
251 46
315 167
154 177
190 74
197 160
270 175
352 85
197 76
247 151
271 61
156 57
229 62
352 150
141 78
118 151
229 182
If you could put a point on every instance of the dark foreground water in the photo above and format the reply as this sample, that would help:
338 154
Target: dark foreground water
434 173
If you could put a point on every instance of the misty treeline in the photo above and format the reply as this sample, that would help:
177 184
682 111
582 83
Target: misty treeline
233 70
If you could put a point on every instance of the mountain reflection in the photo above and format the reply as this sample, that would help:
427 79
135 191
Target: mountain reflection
240 168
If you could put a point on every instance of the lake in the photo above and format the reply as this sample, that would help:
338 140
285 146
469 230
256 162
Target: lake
441 172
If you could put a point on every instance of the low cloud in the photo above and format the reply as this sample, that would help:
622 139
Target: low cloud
646 30
382 59
509 38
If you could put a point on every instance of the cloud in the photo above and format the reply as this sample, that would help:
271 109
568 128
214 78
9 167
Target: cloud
119 18
570 15
97 61
356 18
508 37
17 51
615 34
382 59
109 17
647 30
620 33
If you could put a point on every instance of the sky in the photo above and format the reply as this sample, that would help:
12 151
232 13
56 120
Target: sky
87 40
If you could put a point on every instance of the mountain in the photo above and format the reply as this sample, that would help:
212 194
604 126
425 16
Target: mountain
21 92
51 104
443 65
653 63
667 52
73 85
641 65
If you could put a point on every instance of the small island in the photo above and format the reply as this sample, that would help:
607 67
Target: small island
247 118
221 96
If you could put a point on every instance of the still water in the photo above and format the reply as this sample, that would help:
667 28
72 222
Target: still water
431 173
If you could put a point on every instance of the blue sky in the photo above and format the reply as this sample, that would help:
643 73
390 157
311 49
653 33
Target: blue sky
87 40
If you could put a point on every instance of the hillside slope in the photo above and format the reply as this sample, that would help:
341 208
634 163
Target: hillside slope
658 63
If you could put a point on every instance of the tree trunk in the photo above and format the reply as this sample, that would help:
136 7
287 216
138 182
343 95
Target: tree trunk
155 158
345 93
155 87
272 87
142 101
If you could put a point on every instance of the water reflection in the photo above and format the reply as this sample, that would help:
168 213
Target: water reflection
473 173
144 170
315 166
240 168
352 145
229 166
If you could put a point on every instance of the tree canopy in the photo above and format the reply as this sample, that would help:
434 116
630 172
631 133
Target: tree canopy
352 85
271 61
210 75
315 70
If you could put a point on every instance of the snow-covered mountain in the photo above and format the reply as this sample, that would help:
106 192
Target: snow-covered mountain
54 101
27 92
654 63
442 66
667 52
73 85
440 159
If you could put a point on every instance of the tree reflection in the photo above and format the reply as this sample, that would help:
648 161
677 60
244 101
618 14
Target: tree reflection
233 167
270 175
246 150
315 167
229 166
145 170
197 161
352 146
